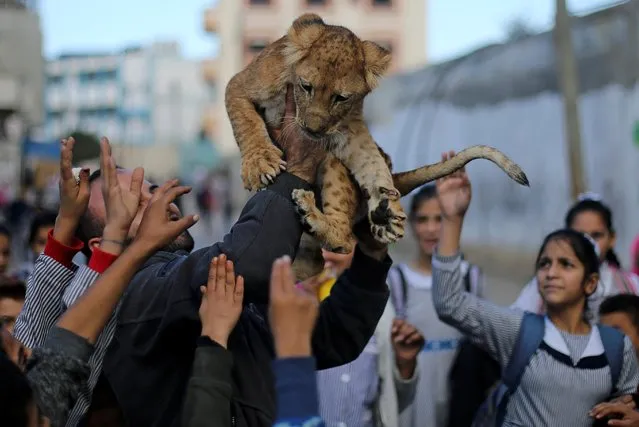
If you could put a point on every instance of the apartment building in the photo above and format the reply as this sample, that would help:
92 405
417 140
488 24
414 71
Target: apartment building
21 86
244 27
139 96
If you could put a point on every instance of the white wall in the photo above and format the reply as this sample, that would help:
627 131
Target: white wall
531 132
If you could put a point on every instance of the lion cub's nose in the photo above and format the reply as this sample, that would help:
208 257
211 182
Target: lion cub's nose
314 133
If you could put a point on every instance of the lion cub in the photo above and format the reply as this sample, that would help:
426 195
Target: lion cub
332 71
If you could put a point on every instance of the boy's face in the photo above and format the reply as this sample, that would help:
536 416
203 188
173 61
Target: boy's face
622 322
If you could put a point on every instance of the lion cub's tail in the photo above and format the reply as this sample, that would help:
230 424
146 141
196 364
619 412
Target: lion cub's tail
405 182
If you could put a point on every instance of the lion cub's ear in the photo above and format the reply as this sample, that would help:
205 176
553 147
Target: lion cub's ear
377 60
303 33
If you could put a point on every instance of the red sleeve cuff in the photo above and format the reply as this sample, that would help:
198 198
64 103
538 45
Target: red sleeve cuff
101 260
62 253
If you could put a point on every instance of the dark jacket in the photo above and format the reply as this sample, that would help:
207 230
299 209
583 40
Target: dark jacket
57 373
149 361
208 395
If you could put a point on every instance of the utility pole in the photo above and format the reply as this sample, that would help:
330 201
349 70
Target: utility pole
568 77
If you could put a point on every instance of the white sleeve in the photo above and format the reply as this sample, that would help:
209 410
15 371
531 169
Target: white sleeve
529 298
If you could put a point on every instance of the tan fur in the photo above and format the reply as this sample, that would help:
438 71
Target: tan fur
333 227
331 71
324 62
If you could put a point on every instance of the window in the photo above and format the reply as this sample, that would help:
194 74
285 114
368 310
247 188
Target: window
316 2
382 2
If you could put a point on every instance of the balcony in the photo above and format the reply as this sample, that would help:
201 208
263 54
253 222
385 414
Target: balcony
209 70
210 20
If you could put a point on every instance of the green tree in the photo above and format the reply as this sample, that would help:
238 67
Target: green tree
87 146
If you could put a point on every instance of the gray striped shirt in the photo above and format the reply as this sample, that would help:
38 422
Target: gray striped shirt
347 393
51 289
553 390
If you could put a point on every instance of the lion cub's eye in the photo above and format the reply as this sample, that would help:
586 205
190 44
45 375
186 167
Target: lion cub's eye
306 86
340 98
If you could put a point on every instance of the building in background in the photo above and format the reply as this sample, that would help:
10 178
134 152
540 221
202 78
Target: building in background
245 27
141 96
21 86
147 100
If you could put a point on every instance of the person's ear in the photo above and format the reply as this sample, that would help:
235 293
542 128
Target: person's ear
94 242
591 284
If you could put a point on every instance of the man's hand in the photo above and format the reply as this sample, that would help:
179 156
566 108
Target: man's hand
121 203
303 156
407 343
74 196
623 413
292 312
367 243
157 229
221 301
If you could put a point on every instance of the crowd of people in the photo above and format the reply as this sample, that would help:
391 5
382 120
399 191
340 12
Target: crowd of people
150 332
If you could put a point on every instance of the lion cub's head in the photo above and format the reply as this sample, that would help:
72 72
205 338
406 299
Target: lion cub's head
333 71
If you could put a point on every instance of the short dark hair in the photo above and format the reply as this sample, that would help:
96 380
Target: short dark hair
96 174
622 303
42 219
424 194
13 288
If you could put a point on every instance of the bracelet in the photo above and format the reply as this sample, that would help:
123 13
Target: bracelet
117 242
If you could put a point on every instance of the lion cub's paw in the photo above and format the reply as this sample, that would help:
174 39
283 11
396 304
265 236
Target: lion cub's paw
305 205
387 218
260 166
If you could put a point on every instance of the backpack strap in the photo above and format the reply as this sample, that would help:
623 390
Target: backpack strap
613 343
531 334
398 292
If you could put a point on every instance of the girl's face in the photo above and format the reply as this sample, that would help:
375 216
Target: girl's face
426 224
591 223
560 276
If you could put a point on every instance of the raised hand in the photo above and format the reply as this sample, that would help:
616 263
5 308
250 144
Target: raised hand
454 192
221 304
407 343
121 203
74 195
159 225
292 312
618 414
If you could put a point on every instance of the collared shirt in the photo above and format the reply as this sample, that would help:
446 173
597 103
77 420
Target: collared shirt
54 286
347 393
557 387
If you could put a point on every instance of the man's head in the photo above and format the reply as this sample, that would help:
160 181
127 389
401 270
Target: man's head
41 224
93 222
12 294
622 312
